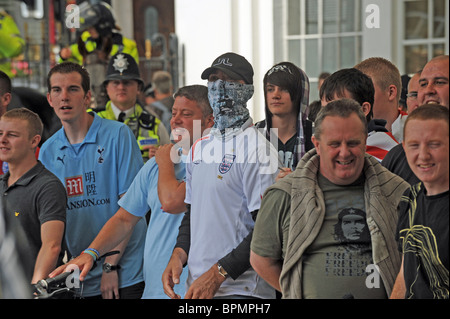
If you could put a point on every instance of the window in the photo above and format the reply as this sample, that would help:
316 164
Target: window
424 27
322 36
151 22
327 35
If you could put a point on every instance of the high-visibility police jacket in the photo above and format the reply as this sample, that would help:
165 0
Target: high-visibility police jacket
144 125
11 43
120 44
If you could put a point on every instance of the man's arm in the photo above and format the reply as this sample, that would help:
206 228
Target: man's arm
52 233
51 204
269 269
270 235
171 191
172 273
238 260
110 236
115 232
110 281
399 289
178 260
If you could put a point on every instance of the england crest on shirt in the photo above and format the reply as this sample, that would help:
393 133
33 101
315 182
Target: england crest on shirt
226 164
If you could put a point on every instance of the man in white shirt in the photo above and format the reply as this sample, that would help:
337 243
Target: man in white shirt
226 175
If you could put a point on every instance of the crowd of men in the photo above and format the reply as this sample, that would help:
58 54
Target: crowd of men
346 201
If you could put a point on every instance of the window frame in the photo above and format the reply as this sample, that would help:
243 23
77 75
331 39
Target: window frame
320 36
428 42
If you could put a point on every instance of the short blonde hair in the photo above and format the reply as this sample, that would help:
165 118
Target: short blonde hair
428 112
35 125
383 73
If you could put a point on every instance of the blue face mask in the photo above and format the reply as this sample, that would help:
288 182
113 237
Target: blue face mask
229 103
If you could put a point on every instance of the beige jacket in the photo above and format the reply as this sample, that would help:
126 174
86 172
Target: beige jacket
382 192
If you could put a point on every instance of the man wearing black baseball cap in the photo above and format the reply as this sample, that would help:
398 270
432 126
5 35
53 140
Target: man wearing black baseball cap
230 87
223 191
123 83
233 65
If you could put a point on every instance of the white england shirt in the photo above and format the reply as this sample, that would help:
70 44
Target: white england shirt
225 181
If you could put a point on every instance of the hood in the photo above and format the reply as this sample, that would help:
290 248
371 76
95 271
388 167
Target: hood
291 77
295 80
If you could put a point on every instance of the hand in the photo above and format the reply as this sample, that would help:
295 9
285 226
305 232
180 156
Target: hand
162 155
152 149
65 53
110 285
171 276
284 171
167 154
84 262
207 285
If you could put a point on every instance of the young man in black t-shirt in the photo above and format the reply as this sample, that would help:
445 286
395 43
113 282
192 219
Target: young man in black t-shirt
423 226
32 196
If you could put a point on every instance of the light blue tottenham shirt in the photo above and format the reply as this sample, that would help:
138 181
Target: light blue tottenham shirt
95 173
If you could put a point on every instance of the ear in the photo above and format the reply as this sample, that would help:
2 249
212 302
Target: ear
6 98
392 92
88 98
49 99
209 121
366 107
36 140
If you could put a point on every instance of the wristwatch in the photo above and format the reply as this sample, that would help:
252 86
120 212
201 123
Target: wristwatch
108 267
222 271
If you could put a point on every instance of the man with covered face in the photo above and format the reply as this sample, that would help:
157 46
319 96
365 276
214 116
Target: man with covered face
227 173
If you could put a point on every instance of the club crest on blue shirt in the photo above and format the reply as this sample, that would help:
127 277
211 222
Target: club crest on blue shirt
226 164
100 150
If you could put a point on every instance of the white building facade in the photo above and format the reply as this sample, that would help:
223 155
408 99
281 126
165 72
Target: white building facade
317 35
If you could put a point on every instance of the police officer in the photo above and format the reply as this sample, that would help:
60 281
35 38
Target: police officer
11 43
99 24
123 84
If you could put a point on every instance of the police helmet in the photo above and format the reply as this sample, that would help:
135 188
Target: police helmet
123 66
